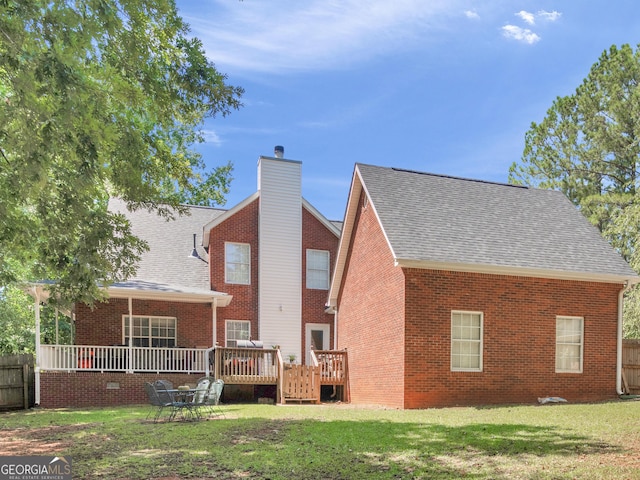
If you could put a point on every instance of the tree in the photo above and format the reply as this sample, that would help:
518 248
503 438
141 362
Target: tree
16 322
98 98
588 147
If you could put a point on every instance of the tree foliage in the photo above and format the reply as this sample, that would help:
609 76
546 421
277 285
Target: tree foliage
588 146
16 321
98 98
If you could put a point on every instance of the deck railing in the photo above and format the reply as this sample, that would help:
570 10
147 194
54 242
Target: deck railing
333 366
248 366
102 358
255 366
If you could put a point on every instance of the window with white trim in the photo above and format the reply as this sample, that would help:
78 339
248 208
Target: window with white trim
569 344
237 263
150 331
318 269
466 341
236 330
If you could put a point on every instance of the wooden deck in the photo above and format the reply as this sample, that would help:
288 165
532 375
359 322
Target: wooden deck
253 366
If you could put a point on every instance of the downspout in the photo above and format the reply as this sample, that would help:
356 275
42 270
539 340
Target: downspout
335 328
214 322
627 286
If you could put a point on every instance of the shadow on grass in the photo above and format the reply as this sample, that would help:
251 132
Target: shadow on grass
311 449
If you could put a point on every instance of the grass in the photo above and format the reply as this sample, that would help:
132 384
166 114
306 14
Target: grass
339 442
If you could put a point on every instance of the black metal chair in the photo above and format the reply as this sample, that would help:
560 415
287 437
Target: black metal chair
158 402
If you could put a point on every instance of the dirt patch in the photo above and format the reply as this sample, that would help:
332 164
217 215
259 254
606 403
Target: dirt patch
266 432
38 441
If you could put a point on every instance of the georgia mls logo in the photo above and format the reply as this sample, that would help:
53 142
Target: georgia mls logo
35 468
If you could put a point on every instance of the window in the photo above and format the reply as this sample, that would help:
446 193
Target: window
237 263
151 331
318 269
569 344
466 341
237 330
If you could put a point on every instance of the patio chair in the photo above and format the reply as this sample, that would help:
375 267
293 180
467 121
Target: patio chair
166 384
158 402
200 397
165 392
213 397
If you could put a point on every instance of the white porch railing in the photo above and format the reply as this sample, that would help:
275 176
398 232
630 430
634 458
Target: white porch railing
100 358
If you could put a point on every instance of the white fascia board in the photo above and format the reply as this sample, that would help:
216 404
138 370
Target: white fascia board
321 218
222 299
517 271
229 213
345 239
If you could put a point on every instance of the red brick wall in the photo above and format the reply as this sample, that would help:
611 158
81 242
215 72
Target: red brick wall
519 332
103 325
519 339
371 316
242 227
89 389
317 237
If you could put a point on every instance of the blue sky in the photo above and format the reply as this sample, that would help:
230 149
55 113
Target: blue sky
442 86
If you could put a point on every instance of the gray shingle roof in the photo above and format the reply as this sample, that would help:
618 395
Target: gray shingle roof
435 218
170 243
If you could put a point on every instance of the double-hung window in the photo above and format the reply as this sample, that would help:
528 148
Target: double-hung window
237 263
569 344
151 331
236 330
466 341
318 269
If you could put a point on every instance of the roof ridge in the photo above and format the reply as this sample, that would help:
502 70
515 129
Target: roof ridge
489 182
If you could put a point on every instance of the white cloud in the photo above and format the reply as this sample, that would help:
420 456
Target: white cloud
471 14
293 35
528 17
549 16
211 137
520 34
531 18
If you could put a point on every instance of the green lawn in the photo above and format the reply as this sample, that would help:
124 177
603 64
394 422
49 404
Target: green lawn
339 442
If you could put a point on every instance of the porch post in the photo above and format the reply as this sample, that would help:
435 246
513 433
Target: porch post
57 331
130 356
36 295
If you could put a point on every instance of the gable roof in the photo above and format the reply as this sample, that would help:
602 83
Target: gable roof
333 227
442 222
166 269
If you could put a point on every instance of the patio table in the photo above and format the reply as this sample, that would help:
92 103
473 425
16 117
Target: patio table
183 404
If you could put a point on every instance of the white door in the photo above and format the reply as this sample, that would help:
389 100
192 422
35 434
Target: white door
317 336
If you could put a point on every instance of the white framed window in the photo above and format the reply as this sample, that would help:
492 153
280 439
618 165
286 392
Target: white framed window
236 330
318 269
569 344
237 263
150 331
466 341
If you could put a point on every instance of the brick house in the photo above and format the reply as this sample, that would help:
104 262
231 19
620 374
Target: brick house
451 291
257 273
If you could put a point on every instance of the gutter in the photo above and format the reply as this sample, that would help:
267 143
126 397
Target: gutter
627 286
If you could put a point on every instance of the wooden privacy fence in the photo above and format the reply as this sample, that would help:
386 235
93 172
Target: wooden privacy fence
631 366
17 382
